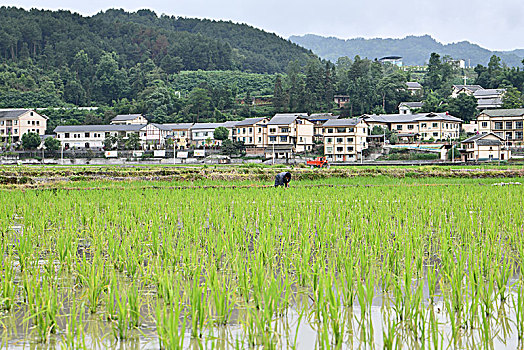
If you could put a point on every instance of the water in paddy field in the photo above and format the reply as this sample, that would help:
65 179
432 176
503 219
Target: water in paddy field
297 327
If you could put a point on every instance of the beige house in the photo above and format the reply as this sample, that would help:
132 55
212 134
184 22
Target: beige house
128 119
318 121
414 88
464 89
484 147
16 122
253 132
153 136
505 123
420 126
289 134
344 139
181 134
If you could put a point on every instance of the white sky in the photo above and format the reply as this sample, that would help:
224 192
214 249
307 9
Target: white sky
496 25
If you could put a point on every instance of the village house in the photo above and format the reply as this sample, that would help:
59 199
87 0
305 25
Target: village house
202 134
414 88
505 123
153 136
129 119
345 139
253 133
409 107
489 98
16 122
318 121
420 126
289 134
341 100
93 136
464 89
181 134
485 146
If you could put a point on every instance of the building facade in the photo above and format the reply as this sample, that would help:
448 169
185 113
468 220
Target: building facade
16 122
421 126
93 136
289 133
345 139
252 132
129 119
505 123
484 147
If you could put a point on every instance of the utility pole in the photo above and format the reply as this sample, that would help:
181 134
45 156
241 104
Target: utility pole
62 155
273 159
174 153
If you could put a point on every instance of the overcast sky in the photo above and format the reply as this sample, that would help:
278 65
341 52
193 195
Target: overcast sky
494 24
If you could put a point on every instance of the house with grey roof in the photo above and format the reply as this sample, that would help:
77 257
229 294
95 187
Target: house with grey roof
414 88
126 119
202 134
16 122
345 139
288 134
409 107
93 136
489 98
505 123
419 126
464 89
318 120
484 147
180 134
253 133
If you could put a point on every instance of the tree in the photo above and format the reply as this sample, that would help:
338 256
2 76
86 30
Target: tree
221 133
232 147
199 101
279 99
109 143
133 142
464 107
31 140
512 98
52 144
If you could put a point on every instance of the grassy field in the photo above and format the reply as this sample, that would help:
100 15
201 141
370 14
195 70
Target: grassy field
345 258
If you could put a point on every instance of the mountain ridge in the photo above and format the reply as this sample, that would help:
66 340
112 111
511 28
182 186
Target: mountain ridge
415 50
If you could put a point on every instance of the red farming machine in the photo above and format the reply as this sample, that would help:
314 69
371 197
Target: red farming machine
318 162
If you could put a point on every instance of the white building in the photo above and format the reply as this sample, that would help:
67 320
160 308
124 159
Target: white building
93 136
345 139
128 119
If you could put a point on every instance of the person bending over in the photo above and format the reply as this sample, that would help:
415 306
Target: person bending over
283 179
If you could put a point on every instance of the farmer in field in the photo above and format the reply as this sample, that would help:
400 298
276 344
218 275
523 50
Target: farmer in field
282 179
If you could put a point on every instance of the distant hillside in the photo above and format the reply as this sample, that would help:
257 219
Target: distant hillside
172 43
414 49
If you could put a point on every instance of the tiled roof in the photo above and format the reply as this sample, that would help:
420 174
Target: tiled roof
124 117
249 121
504 112
409 118
179 126
480 136
341 122
484 93
213 126
412 104
12 113
284 119
101 128
413 85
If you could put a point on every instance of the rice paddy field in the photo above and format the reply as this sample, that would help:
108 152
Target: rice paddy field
217 258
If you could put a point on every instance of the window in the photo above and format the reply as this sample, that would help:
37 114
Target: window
518 135
435 134
38 122
410 127
250 130
15 131
340 149
272 138
283 138
66 135
329 140
272 130
434 125
87 136
341 130
509 135
31 114
350 149
250 139
509 125
484 124
399 127
86 145
330 131
15 122
329 149
243 130
259 139
350 139
284 129
340 140
32 122
259 130
352 129
498 125
518 125
423 125
301 139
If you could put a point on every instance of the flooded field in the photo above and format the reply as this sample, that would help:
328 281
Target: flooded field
232 265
